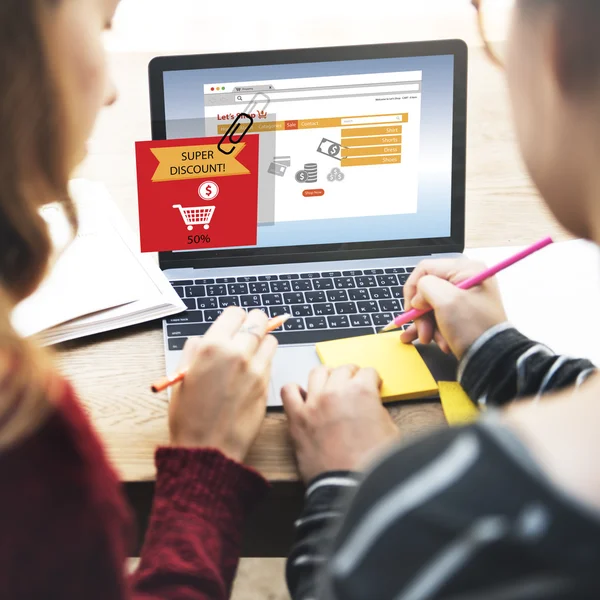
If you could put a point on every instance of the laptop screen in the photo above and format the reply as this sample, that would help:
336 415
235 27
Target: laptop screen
363 147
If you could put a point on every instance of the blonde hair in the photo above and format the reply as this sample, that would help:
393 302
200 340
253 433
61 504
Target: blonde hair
32 173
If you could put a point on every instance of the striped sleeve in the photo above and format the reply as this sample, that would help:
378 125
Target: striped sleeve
325 499
454 515
503 365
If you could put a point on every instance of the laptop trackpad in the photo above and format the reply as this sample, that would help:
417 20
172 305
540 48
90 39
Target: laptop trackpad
292 364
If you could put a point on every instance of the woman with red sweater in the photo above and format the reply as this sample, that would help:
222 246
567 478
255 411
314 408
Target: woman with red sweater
65 530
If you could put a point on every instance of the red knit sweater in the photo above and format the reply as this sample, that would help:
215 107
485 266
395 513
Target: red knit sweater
65 529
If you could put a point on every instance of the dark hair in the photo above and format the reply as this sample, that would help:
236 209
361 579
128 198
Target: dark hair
578 23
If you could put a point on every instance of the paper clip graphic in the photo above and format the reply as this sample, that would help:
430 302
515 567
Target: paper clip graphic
228 137
196 215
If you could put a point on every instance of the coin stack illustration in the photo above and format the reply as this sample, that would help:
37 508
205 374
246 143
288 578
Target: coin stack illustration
309 174
311 169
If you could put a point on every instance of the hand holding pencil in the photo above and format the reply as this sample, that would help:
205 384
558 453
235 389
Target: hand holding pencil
460 314
222 401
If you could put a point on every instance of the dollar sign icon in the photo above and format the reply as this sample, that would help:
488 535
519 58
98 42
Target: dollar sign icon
208 190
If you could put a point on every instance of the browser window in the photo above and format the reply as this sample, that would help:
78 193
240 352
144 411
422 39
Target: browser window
346 146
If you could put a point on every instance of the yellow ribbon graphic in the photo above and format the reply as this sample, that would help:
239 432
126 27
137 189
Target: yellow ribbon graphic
196 162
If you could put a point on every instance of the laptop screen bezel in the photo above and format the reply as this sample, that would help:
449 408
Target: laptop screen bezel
326 252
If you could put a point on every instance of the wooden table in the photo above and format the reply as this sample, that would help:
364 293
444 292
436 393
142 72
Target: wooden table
112 372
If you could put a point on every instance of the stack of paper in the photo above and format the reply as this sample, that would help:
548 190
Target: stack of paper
100 281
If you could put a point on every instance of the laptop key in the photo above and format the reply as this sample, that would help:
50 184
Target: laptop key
397 292
366 281
195 290
226 280
294 298
410 269
236 289
402 279
277 311
302 285
323 284
342 283
225 301
289 276
324 309
353 273
204 281
309 275
280 286
396 270
313 297
180 291
208 302
373 271
212 315
182 282
190 303
331 274
359 294
338 321
261 287
302 310
246 279
346 308
317 323
215 290
367 307
337 296
268 277
381 319
380 293
360 321
392 305
250 301
272 300
383 280
177 343
190 316
294 324
187 330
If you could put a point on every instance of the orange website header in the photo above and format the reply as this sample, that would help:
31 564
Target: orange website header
349 128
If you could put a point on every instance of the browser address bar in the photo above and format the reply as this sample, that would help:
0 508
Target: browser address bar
328 93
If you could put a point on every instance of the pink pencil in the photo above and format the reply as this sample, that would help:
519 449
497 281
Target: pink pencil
413 314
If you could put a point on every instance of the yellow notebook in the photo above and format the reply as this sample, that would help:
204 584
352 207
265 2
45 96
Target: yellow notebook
404 373
458 407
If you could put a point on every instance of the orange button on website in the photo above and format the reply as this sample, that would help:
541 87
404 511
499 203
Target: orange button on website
310 193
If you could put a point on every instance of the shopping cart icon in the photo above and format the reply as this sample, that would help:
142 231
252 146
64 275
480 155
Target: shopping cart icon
196 215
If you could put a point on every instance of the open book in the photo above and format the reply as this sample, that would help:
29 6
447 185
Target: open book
100 281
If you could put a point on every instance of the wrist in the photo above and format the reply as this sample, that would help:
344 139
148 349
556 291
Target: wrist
191 442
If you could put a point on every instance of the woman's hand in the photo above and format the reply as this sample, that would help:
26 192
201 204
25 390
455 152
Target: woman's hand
460 316
339 423
222 400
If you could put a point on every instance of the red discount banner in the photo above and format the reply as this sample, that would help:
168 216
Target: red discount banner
197 194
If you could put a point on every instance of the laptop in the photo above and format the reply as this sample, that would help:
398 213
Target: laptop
369 179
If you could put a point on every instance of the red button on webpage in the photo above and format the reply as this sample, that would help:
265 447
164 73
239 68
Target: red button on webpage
310 193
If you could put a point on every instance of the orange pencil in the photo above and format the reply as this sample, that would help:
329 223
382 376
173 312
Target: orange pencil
166 382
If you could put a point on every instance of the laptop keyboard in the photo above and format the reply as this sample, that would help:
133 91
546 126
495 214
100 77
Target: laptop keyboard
324 305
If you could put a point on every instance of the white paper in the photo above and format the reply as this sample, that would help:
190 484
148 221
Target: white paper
553 296
100 282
